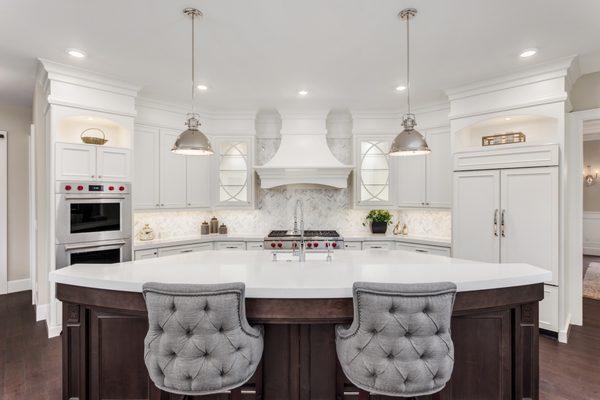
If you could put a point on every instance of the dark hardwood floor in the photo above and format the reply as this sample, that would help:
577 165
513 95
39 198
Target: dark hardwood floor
30 365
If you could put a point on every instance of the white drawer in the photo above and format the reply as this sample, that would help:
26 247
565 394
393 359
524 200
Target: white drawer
435 250
254 245
145 254
230 245
353 245
378 245
549 309
190 248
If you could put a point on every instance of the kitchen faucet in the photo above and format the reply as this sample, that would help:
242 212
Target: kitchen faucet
300 206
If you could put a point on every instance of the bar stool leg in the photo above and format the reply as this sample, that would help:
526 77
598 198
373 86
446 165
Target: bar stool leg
362 395
235 394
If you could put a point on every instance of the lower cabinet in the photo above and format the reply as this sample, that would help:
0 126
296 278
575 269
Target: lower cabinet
549 309
230 245
378 245
191 248
145 254
352 245
435 250
254 245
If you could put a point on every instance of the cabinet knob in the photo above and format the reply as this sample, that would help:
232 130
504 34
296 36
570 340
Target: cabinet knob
162 205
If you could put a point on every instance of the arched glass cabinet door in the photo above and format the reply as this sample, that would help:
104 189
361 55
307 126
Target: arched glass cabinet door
374 172
234 172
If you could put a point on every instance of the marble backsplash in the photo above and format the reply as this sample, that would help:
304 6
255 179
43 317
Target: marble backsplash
323 208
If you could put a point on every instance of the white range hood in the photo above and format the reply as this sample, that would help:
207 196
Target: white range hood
304 157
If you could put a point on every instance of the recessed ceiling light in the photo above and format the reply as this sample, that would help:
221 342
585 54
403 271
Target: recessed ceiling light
507 118
203 88
400 88
76 53
303 92
528 53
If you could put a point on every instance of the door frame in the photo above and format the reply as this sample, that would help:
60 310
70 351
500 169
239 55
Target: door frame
3 212
32 217
574 218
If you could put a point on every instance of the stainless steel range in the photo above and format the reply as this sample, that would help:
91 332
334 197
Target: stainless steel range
312 239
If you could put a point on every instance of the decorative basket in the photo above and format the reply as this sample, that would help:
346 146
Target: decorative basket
89 139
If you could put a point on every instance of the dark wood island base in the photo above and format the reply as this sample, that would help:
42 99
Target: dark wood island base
495 333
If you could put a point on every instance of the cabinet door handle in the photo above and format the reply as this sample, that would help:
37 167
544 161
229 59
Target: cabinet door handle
421 251
496 222
502 224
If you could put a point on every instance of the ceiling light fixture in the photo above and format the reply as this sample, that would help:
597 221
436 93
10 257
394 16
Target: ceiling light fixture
409 142
528 53
192 141
76 53
400 88
202 88
303 92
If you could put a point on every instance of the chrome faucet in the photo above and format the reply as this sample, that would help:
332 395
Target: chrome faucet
300 206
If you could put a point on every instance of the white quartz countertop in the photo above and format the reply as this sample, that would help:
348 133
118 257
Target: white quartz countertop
183 240
315 278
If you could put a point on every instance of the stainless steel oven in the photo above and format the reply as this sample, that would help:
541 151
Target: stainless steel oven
104 252
92 212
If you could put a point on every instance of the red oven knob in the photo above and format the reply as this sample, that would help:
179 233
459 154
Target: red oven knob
121 188
334 244
80 187
68 187
280 245
273 244
309 245
315 244
111 188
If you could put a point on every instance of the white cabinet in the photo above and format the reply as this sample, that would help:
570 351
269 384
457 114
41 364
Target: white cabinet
191 248
173 185
164 179
367 245
476 215
230 245
198 181
373 175
425 181
87 162
145 254
510 216
146 189
234 178
254 245
352 245
424 249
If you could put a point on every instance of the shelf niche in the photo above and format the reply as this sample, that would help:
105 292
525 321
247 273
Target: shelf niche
70 129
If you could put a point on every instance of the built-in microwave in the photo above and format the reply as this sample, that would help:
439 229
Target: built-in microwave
105 252
92 212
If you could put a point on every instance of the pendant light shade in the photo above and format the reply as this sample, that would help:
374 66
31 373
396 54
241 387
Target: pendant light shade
409 142
192 142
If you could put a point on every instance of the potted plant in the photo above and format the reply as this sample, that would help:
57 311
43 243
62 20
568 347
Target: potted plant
379 220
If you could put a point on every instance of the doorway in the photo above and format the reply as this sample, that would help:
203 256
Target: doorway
3 212
591 209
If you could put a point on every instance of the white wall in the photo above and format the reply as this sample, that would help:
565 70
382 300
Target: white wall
16 121
585 93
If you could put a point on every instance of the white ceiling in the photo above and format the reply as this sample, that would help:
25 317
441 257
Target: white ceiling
259 53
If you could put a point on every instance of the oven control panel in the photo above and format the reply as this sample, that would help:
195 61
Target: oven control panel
92 187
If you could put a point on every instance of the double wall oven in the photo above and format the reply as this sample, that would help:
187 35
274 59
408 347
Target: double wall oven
93 223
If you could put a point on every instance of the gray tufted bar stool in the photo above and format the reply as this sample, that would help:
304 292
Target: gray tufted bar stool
199 341
399 342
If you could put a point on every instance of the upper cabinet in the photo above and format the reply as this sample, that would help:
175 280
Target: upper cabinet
373 172
87 162
166 180
234 185
426 181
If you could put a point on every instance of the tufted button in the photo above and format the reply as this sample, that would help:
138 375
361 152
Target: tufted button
221 329
392 309
206 307
374 331
173 308
390 356
238 348
188 332
373 374
221 373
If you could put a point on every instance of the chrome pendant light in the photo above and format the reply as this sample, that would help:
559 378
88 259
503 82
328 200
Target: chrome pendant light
192 141
409 142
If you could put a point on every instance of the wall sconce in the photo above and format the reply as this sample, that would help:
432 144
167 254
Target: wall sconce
588 178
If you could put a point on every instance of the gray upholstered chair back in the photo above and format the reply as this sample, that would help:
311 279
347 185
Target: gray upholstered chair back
199 341
399 343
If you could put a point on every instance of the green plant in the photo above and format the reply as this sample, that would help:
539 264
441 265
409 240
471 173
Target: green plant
378 216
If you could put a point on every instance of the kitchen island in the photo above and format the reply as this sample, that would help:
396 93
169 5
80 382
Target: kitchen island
494 324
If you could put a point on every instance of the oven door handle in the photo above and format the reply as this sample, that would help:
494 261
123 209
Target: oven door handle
119 243
94 198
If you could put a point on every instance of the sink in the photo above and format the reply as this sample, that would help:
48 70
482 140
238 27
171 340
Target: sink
289 257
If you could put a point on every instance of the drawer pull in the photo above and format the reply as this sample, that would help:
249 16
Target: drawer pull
231 247
186 251
421 251
376 247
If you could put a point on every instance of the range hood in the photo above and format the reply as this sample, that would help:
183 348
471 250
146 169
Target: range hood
304 157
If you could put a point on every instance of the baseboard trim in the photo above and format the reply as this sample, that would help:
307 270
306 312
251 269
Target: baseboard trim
18 285
563 334
41 312
591 251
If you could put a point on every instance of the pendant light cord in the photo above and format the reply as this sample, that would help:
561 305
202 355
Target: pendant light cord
408 61
193 64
